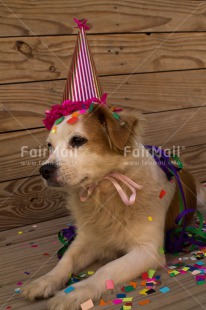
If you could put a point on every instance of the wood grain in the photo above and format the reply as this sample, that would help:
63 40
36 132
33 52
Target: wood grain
45 18
28 201
18 258
48 58
182 128
23 105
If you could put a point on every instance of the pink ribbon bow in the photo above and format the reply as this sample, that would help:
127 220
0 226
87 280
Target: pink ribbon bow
81 24
128 201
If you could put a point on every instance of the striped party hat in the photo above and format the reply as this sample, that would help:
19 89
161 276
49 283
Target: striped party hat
82 87
82 82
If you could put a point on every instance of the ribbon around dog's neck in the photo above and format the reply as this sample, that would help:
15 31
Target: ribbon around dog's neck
128 201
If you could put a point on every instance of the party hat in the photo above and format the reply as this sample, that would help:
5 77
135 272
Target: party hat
82 82
82 86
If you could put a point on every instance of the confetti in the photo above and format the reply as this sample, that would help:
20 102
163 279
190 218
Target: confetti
151 273
162 194
104 303
90 272
34 246
164 289
87 305
46 254
128 288
127 307
82 111
34 226
72 120
144 276
75 114
26 272
143 292
117 301
54 129
144 302
8 307
121 295
20 232
17 290
126 299
134 284
149 218
151 291
69 289
116 116
91 107
19 283
59 120
109 284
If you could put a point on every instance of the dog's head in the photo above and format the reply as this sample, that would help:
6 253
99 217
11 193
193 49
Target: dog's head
84 152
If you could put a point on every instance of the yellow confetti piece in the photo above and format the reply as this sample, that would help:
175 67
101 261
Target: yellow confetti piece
143 292
150 219
90 272
185 268
20 232
127 307
54 129
127 299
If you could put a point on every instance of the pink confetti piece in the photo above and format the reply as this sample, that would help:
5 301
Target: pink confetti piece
87 305
34 246
19 283
117 301
109 284
8 307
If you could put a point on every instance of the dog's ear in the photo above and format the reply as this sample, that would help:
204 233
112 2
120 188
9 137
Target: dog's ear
119 130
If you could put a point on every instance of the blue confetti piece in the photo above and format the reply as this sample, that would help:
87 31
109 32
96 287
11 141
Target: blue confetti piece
200 263
69 289
121 295
17 290
164 289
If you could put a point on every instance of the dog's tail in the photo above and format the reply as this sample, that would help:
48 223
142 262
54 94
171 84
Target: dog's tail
201 197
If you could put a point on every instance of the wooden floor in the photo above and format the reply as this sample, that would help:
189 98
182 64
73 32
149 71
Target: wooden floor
28 252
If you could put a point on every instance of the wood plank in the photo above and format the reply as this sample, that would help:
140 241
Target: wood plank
23 105
41 230
48 58
44 18
19 258
167 129
28 201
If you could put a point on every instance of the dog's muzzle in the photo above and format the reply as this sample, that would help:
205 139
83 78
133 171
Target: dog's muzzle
47 171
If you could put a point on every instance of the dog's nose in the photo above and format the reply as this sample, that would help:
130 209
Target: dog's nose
47 170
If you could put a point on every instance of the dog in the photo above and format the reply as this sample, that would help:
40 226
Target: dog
85 158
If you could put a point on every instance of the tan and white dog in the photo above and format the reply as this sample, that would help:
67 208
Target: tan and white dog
82 154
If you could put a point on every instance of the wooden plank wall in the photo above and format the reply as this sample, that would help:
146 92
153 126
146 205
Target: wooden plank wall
150 55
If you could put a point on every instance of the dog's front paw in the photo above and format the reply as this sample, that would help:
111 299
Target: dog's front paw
43 287
72 300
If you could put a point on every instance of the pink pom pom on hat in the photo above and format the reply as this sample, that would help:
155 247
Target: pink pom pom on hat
82 86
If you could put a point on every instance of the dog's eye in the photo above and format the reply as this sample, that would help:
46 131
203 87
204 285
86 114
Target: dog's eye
77 141
49 146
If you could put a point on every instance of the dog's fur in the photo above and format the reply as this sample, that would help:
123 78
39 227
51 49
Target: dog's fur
106 227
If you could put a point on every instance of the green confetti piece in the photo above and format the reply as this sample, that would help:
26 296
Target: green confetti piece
161 250
59 120
200 282
151 273
115 115
91 107
129 288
